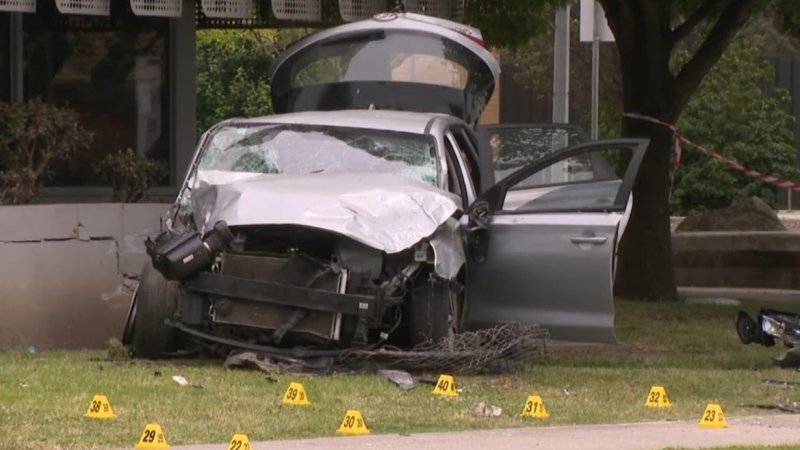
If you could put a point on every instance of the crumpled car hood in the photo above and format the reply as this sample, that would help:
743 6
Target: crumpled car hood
386 212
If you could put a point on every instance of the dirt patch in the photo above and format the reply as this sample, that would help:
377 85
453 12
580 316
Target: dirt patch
750 215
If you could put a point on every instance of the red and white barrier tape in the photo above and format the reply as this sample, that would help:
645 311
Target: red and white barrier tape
681 142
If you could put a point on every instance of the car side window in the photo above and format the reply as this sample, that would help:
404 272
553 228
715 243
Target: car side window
513 147
588 180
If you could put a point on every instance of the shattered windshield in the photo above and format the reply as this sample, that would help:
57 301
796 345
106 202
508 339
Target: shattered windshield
297 149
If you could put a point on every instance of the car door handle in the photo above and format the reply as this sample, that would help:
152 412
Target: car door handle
596 240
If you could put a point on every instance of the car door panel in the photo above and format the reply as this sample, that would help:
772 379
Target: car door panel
523 278
551 247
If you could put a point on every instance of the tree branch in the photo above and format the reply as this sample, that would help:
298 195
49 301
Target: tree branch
692 73
700 14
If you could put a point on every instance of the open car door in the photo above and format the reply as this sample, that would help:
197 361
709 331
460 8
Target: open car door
542 241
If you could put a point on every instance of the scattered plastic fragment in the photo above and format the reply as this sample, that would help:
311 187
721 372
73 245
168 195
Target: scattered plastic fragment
180 380
401 378
784 405
245 359
484 409
780 383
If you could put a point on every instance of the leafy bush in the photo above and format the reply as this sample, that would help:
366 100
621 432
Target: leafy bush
737 113
130 174
233 72
32 134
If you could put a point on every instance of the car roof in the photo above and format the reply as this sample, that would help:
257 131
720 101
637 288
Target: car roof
402 121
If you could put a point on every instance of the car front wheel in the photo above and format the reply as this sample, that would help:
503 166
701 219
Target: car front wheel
156 299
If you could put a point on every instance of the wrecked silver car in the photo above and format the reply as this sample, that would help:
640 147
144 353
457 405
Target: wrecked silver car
370 211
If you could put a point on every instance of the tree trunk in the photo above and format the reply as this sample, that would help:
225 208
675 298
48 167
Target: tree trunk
645 40
645 257
642 30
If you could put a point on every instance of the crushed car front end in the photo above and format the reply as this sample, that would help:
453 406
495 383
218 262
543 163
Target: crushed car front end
304 236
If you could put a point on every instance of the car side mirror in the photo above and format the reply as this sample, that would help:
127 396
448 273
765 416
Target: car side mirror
477 235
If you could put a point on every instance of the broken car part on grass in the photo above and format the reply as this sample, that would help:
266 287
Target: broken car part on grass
772 325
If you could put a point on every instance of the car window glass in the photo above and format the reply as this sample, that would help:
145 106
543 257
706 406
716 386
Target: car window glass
428 69
393 55
586 181
296 150
514 147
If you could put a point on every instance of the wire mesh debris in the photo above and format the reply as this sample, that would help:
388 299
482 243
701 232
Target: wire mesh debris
500 348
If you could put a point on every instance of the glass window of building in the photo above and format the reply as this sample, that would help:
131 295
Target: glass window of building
117 81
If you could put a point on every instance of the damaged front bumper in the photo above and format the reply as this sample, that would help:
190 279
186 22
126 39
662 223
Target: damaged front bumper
239 297
366 306
241 302
770 325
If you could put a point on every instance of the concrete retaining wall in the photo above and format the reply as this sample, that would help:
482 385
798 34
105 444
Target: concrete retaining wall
65 271
737 259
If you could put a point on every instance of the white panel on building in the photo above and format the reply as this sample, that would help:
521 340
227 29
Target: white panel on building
87 7
304 10
159 8
445 9
352 10
18 5
228 9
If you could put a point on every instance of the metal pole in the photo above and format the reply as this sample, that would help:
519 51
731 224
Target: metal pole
598 23
561 67
16 57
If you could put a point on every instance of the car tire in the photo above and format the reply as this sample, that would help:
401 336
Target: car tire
156 300
429 312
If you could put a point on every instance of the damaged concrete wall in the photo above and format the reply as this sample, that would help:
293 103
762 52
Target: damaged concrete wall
65 271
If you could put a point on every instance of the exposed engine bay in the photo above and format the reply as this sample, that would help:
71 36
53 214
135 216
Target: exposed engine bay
287 286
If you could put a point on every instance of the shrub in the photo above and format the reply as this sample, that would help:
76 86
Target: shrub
130 174
32 134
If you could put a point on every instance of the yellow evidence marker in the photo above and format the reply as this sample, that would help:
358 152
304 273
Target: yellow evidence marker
657 398
239 442
295 395
353 424
713 417
152 438
100 408
446 386
534 407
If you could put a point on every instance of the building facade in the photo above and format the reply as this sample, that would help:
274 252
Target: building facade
128 68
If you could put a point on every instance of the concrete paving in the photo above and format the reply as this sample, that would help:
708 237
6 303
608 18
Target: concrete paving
754 430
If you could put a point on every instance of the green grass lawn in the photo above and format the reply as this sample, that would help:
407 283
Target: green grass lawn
692 350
